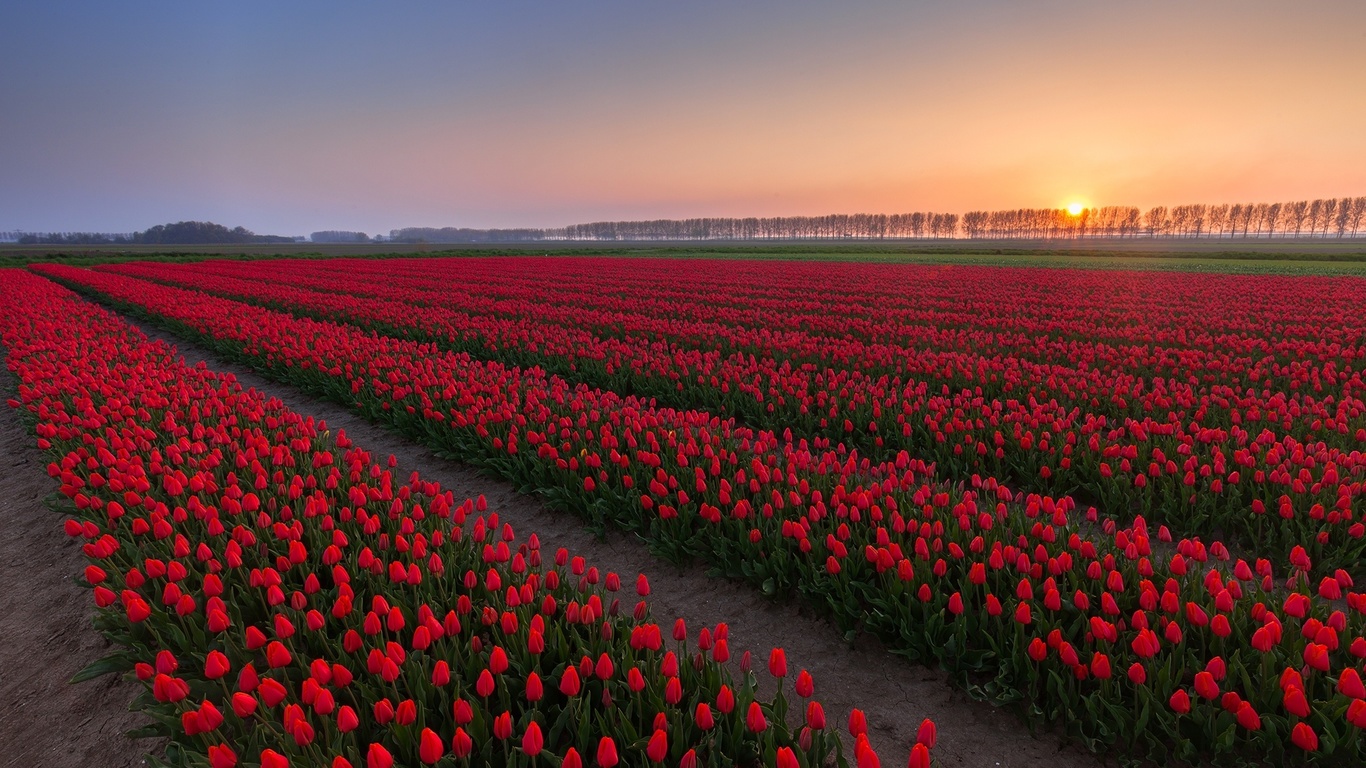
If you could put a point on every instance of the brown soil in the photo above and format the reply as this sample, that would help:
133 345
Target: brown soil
894 694
46 635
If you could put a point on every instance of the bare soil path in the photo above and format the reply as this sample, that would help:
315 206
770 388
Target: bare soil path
46 635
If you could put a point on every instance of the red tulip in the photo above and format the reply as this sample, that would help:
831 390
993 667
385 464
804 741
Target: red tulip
502 726
777 663
216 665
532 741
243 704
222 756
858 722
569 682
378 757
754 718
927 734
1100 666
1295 702
1356 713
1205 686
484 685
1349 684
347 720
815 716
607 752
1304 737
462 744
658 747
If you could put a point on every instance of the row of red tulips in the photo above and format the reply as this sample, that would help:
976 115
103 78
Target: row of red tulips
286 602
1201 452
1111 631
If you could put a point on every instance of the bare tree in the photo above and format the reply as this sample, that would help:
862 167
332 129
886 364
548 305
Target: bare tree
1342 216
1358 213
1156 221
1181 220
1272 216
1218 219
1297 215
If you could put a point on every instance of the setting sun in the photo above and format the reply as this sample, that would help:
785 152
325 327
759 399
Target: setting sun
1075 209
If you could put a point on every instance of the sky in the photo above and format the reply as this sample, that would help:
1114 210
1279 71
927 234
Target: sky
293 117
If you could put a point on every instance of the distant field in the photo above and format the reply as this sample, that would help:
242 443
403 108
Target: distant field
1304 256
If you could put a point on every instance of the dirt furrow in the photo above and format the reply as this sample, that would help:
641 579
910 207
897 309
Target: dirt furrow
46 635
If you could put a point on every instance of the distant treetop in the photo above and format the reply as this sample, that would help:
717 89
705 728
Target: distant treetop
179 233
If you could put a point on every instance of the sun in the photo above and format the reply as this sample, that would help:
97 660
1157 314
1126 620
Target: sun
1075 209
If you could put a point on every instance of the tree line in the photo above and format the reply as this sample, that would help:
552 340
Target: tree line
835 226
338 236
179 233
1323 218
1340 217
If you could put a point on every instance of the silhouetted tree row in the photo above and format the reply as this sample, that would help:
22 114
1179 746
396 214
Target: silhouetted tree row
338 236
73 238
1341 217
467 235
180 233
1053 223
875 226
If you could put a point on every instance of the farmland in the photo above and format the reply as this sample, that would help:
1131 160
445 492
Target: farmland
1125 506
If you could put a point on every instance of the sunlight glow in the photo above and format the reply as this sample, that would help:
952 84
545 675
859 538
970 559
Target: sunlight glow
1075 209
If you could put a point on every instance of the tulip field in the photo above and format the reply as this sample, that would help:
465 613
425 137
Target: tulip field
287 602
1127 506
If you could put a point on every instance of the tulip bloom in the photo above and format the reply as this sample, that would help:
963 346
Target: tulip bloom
754 718
222 756
658 747
1304 737
607 752
1205 686
216 665
858 723
430 747
532 741
777 663
927 734
376 756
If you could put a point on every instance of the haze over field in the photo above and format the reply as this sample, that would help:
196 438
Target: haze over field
361 117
